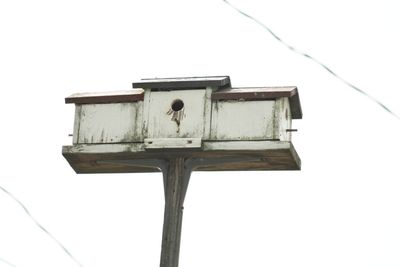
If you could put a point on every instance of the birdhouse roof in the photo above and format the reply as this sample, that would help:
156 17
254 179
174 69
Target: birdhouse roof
183 83
106 97
223 91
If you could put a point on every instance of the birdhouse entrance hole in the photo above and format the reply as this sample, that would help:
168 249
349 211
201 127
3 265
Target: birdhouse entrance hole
177 105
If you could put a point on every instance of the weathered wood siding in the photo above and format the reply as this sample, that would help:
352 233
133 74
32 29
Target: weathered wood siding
120 158
283 119
243 120
251 120
199 117
108 123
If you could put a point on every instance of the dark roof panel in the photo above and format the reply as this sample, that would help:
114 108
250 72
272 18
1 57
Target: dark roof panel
106 97
183 83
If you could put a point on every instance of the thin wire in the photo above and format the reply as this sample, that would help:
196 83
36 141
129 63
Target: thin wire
41 226
7 262
359 90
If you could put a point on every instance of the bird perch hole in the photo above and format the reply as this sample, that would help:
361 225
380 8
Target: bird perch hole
177 105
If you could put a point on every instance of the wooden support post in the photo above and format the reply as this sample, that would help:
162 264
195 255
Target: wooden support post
176 179
176 172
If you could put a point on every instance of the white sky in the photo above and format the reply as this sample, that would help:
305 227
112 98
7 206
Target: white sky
342 209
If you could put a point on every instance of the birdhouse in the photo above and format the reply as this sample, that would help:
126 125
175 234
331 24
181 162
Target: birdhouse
179 125
202 115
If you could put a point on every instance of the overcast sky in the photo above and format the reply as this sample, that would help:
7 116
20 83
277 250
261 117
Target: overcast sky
341 209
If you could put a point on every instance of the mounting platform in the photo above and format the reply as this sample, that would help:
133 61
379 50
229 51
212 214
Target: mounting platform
250 155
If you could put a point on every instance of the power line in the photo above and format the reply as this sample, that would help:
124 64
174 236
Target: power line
40 226
7 262
334 74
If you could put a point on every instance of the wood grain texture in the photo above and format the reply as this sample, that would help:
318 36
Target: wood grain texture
175 183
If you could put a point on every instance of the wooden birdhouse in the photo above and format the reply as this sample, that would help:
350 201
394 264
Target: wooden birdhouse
180 125
201 114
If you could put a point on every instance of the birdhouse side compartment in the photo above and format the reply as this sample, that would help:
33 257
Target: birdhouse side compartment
254 113
102 118
242 120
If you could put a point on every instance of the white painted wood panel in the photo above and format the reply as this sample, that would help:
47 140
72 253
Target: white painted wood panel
199 118
109 123
207 113
77 121
243 120
283 119
163 122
